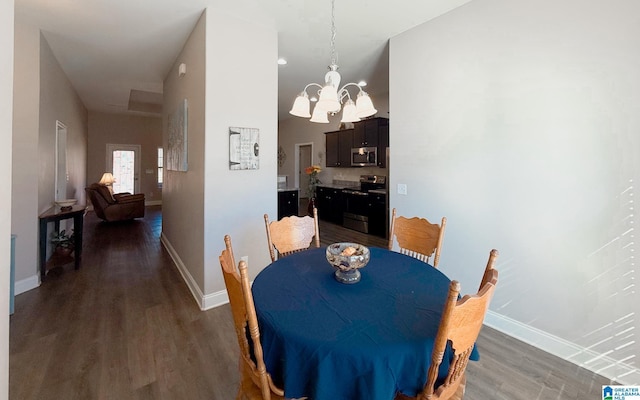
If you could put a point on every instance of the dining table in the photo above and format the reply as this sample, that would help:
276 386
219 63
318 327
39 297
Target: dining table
323 339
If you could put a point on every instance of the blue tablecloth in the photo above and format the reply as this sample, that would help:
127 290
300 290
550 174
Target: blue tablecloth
328 340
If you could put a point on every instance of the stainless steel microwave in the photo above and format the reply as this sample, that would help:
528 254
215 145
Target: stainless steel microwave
364 156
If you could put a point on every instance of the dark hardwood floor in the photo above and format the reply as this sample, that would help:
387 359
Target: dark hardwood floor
125 326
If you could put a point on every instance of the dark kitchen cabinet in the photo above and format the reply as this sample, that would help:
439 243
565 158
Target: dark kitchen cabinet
329 204
383 143
338 145
287 203
378 215
365 133
373 132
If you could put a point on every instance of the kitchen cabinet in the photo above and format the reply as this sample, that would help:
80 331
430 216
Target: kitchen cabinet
338 145
287 203
365 133
329 204
378 214
373 132
383 143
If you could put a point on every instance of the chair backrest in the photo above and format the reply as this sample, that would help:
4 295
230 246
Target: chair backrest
460 325
244 318
97 200
417 237
493 255
291 234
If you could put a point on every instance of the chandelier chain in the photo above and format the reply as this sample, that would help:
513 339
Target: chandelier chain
332 97
333 34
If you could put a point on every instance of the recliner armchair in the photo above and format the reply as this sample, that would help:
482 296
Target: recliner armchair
117 207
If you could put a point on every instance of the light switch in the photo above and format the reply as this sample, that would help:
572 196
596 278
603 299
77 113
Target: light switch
402 188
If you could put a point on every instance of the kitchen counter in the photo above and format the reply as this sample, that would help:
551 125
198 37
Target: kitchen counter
378 191
345 185
287 189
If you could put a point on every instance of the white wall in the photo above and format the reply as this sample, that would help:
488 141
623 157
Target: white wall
523 131
208 201
241 91
6 104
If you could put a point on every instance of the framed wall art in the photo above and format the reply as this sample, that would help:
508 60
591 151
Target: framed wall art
244 148
177 146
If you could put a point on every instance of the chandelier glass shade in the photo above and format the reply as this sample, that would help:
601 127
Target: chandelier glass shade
331 97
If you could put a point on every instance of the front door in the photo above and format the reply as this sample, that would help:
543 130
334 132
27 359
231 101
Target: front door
123 161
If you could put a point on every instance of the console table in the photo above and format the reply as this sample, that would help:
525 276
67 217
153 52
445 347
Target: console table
55 215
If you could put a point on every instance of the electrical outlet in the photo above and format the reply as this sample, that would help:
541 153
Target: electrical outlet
402 188
245 259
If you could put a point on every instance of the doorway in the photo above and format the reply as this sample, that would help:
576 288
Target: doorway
123 161
304 158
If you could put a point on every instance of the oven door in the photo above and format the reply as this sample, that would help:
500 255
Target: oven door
364 156
356 211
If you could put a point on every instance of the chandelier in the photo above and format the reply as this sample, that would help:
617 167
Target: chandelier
331 96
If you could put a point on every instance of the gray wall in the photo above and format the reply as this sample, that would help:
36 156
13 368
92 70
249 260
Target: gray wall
6 102
59 102
523 130
24 188
43 96
208 201
183 192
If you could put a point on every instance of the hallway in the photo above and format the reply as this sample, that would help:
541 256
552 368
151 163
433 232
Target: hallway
124 326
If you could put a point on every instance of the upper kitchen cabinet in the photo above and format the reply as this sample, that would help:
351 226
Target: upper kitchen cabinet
338 145
365 133
383 143
373 132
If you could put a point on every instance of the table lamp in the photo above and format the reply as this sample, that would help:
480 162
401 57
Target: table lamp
107 180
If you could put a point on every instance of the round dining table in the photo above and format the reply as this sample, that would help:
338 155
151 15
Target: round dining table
327 340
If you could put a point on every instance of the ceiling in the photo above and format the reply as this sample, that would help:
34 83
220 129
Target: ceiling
109 48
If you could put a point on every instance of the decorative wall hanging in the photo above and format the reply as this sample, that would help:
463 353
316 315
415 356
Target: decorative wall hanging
244 149
177 146
282 156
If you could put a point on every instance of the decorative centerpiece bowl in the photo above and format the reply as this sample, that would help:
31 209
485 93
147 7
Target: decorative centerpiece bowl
347 258
66 204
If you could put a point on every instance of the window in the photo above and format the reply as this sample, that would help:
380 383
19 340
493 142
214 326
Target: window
160 168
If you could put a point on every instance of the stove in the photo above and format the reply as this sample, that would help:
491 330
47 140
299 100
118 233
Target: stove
362 206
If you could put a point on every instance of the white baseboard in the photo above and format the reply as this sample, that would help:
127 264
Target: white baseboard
204 302
207 302
186 275
215 300
620 372
24 285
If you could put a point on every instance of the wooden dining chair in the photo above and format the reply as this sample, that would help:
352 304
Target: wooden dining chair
291 234
460 325
255 381
493 255
417 237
